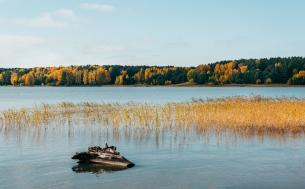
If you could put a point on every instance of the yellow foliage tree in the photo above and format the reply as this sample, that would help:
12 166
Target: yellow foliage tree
14 78
85 77
119 80
91 78
29 79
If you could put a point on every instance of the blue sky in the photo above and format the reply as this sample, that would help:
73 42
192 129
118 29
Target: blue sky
150 32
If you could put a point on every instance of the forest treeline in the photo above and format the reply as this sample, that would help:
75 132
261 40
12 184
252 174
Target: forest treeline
244 71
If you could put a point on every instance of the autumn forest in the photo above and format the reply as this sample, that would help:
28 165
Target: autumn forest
289 71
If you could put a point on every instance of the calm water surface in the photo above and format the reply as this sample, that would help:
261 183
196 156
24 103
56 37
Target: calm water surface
27 96
40 157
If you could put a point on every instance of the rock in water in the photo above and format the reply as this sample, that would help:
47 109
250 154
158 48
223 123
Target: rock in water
108 156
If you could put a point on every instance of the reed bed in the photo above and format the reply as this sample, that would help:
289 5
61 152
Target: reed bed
246 116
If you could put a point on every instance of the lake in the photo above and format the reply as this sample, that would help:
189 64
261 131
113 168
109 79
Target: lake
28 96
40 157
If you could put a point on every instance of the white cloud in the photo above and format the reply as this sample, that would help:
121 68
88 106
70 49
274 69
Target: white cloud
7 40
25 51
44 20
31 51
66 14
57 19
97 7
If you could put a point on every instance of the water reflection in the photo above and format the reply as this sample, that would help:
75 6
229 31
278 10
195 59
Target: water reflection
94 168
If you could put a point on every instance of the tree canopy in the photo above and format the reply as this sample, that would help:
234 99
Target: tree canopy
289 70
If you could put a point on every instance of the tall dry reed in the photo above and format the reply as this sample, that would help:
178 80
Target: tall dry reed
239 115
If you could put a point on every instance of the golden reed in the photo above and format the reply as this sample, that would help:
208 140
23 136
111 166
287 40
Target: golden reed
239 115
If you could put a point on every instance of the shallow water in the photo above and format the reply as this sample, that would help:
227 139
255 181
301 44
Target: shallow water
41 157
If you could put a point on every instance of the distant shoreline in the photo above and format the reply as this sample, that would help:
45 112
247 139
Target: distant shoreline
236 85
279 72
173 85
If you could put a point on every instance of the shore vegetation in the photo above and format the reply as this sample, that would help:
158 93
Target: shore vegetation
288 71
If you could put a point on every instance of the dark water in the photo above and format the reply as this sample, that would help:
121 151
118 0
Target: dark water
41 157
